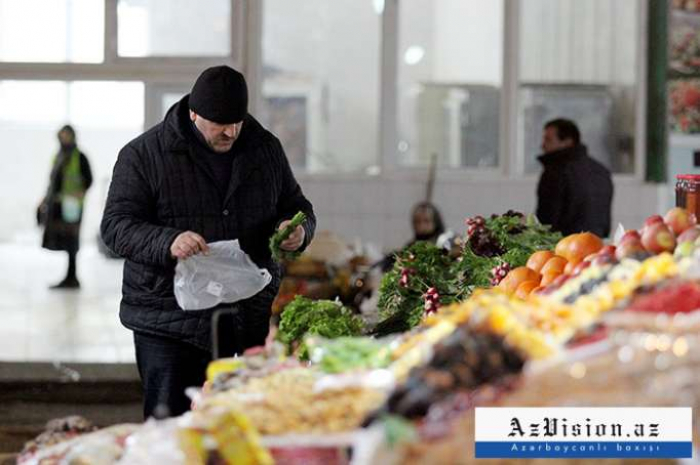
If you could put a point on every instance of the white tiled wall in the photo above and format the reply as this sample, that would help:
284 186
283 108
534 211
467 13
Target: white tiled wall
377 210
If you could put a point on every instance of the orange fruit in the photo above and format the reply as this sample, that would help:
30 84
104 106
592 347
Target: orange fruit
583 245
562 247
569 268
507 285
523 273
538 259
537 289
517 276
548 278
555 263
525 288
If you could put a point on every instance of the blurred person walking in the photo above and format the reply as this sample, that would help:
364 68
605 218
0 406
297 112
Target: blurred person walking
61 210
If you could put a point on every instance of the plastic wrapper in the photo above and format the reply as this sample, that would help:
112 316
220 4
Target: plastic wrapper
225 275
215 436
105 446
619 232
58 430
345 354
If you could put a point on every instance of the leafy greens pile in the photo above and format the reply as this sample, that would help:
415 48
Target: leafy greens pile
506 239
325 318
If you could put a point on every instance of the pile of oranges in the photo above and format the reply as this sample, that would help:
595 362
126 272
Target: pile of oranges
546 267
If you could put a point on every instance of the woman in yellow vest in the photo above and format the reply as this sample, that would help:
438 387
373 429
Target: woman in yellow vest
61 211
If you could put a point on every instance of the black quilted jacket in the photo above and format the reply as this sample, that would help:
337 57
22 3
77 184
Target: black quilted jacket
160 188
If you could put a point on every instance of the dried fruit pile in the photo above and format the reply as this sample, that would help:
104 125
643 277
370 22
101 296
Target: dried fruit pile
463 361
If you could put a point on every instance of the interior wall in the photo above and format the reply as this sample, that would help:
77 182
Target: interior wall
377 210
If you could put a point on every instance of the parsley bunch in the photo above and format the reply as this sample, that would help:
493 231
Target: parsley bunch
321 317
282 235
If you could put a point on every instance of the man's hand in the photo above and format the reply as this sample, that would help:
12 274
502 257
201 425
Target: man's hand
295 240
187 244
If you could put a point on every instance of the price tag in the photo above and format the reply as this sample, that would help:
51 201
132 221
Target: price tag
215 288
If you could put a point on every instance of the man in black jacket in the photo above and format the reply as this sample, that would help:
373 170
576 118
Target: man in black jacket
208 172
575 191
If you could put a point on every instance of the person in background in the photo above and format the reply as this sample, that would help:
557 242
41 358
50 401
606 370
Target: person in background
209 172
575 191
427 223
428 226
61 210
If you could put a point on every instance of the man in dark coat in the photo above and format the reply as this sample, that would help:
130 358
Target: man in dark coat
208 172
61 210
575 191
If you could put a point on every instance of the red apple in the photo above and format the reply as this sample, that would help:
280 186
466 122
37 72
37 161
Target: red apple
630 234
679 219
653 219
608 250
604 259
658 238
629 249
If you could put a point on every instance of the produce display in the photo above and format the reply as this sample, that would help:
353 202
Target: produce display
671 297
688 5
300 408
232 373
57 431
462 361
507 321
323 317
349 353
424 277
685 45
684 96
103 446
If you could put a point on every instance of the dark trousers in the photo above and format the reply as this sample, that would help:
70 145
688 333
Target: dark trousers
167 367
72 272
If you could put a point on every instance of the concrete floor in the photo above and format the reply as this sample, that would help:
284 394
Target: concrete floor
38 324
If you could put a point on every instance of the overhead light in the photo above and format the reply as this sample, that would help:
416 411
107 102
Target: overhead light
414 54
378 6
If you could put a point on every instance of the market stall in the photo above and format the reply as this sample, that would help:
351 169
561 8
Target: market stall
517 317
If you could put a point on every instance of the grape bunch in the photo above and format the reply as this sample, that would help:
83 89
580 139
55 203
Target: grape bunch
499 272
480 239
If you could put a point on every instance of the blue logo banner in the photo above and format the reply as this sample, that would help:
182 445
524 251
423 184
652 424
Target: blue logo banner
580 449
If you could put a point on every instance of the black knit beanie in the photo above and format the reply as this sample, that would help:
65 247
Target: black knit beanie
220 94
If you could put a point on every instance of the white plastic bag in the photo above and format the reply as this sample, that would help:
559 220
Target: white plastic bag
619 232
225 275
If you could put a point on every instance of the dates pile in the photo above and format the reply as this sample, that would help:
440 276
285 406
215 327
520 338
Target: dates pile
461 362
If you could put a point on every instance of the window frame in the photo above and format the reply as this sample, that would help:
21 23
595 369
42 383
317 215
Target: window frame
158 73
237 23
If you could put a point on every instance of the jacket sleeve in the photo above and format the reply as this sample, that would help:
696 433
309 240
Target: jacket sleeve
550 199
128 226
292 199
